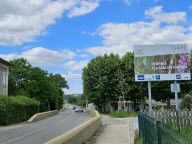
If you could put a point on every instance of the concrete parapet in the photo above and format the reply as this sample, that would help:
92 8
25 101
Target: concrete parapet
81 133
40 116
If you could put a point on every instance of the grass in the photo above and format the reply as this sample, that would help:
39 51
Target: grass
123 114
185 130
138 140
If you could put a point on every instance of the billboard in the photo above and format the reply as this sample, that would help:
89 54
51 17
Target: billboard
162 62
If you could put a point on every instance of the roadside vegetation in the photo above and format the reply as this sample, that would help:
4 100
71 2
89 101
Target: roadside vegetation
17 109
123 114
30 90
138 140
110 78
33 82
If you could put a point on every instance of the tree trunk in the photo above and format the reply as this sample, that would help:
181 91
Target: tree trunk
48 106
168 103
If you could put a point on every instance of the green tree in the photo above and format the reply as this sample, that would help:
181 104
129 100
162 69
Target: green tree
134 91
99 80
19 72
36 83
59 80
161 91
186 102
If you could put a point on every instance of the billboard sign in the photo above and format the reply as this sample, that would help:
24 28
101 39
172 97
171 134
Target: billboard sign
162 62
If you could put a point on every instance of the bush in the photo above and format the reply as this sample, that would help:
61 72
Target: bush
17 109
137 139
186 102
123 114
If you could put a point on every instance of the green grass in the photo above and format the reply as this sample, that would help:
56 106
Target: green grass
137 139
185 130
123 114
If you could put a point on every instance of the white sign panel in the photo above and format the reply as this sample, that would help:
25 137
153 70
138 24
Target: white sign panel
162 62
173 88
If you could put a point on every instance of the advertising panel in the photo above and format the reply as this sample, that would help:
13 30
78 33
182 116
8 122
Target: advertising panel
162 62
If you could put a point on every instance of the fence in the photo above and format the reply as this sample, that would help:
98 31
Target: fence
180 117
154 131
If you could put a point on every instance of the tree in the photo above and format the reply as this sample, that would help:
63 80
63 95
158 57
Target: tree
19 72
186 102
161 91
36 83
59 80
99 80
134 91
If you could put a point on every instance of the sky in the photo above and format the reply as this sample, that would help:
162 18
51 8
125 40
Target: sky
62 36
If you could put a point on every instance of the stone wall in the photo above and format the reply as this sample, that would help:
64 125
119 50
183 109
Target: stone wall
81 133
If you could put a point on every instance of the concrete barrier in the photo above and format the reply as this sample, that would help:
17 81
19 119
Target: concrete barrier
81 133
40 116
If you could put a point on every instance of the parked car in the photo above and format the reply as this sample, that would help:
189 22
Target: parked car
79 109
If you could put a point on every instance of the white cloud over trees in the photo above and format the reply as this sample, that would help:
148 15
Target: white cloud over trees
159 27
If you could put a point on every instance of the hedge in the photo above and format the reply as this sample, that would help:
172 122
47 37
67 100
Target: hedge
17 109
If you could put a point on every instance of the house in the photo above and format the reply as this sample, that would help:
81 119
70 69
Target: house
161 104
4 71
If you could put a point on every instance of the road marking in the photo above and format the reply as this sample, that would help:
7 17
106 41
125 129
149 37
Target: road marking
39 129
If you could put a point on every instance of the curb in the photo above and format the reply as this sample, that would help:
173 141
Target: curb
40 116
81 133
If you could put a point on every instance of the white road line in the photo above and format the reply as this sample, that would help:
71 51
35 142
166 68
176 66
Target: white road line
38 129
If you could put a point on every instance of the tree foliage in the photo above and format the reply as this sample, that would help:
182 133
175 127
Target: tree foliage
36 83
100 79
17 109
108 77
186 102
135 91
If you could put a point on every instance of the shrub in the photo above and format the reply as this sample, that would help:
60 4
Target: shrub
186 102
123 114
17 109
137 139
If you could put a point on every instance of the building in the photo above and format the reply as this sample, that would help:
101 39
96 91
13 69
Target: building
4 72
161 104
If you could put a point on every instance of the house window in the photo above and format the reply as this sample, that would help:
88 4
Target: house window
4 79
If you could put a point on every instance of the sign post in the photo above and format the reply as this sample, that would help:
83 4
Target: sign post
162 62
150 100
176 95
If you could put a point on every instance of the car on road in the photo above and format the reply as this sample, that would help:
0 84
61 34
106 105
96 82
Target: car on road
79 109
74 107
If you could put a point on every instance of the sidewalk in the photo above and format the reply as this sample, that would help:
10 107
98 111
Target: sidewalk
115 131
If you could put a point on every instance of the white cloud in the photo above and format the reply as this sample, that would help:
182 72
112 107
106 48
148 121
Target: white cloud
190 7
75 83
156 13
83 7
120 38
128 2
71 75
84 55
74 65
40 56
78 50
22 21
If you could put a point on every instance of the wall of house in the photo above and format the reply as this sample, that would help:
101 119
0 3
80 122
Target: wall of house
4 71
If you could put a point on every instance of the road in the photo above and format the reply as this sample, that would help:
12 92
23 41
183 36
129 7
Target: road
44 130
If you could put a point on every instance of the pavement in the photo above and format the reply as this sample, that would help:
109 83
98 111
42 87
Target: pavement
115 131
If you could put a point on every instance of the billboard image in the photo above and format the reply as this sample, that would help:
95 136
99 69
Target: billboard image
161 62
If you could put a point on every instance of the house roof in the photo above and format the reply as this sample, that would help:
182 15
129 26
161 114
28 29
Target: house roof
4 62
158 103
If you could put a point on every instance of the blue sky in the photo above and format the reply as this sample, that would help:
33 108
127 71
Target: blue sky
62 36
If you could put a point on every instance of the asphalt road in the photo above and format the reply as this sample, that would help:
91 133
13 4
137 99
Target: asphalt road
44 130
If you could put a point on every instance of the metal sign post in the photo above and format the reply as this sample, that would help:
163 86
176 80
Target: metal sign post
149 94
176 95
